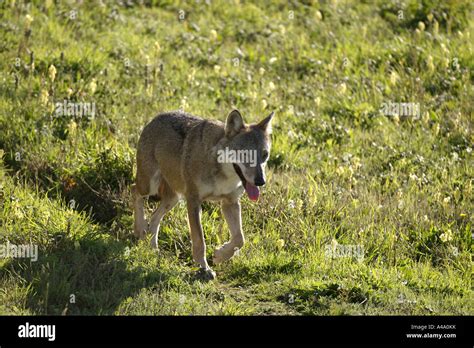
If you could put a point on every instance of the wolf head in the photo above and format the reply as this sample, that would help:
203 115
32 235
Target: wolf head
250 145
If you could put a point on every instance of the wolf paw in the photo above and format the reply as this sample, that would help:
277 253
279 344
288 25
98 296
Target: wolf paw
219 256
224 253
206 274
140 231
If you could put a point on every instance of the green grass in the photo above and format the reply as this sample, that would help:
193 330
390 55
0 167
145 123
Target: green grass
340 172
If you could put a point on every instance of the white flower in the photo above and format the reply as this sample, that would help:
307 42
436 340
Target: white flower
184 104
52 72
394 77
28 21
44 97
191 75
280 243
429 63
446 236
317 101
213 35
342 88
92 86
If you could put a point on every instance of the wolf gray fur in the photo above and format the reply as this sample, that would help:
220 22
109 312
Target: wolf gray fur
178 157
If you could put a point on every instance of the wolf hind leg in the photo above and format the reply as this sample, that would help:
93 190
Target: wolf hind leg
140 225
168 199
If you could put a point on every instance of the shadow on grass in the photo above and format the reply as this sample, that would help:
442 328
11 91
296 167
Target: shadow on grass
310 301
98 187
252 274
87 279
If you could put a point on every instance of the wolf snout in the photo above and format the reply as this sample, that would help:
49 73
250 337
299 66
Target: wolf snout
259 181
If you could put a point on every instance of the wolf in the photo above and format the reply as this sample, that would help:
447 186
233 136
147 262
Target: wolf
180 156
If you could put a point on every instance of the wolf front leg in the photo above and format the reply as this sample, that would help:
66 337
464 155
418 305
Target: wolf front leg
197 238
231 212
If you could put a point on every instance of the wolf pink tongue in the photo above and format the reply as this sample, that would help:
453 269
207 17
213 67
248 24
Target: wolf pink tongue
252 191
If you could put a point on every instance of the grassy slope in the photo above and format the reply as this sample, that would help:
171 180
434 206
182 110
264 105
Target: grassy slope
340 172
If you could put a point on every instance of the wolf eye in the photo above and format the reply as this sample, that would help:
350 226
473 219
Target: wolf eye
264 155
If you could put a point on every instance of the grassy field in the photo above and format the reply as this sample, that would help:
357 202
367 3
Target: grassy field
364 212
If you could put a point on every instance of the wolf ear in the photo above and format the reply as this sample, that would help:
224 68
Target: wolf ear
266 123
234 123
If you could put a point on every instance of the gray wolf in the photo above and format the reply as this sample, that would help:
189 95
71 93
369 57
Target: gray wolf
180 156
